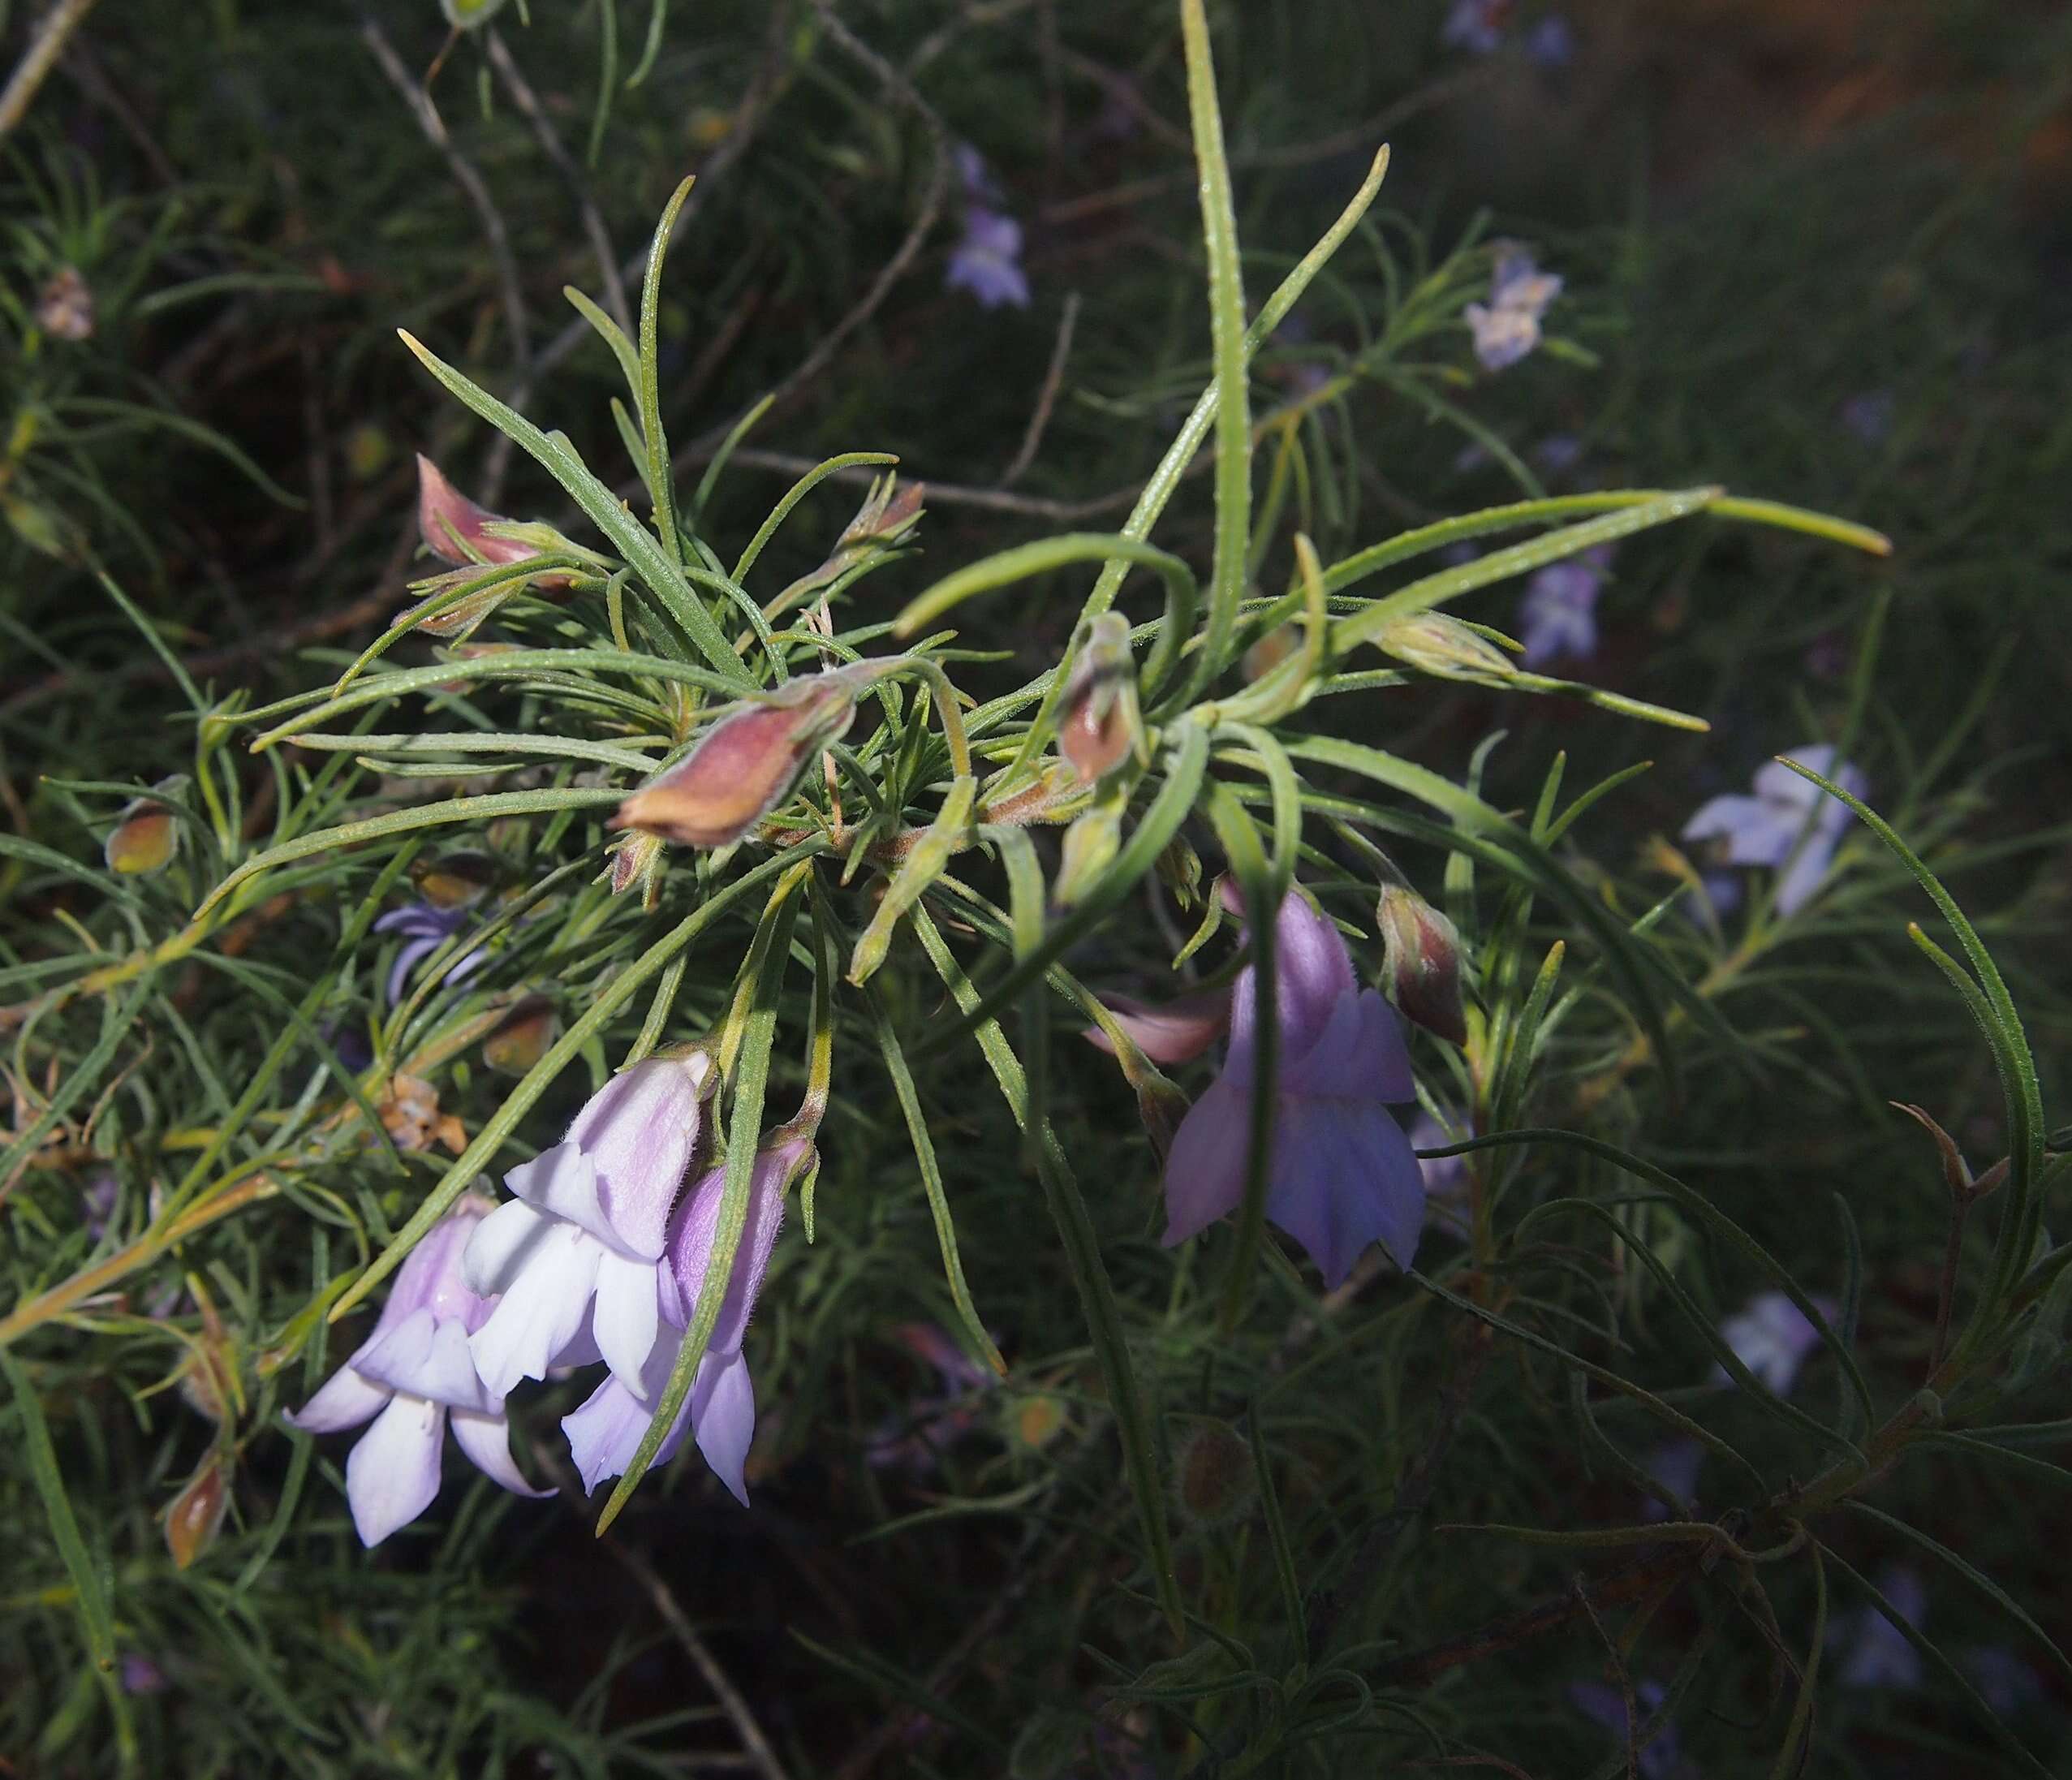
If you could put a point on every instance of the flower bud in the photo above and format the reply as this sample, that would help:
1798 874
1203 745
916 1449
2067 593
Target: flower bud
1091 845
1100 726
142 841
196 1514
882 522
524 1036
636 862
1434 643
744 766
1213 1476
456 530
1422 962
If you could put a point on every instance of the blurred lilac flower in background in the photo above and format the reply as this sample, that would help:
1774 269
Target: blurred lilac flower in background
988 261
412 1377
1789 821
1674 1465
1342 1174
99 1194
1476 26
1601 1701
1772 1337
720 1411
1558 616
1446 1177
1875 1652
573 1256
140 1674
1551 43
426 930
2005 1682
1507 327
1869 416
911 1441
1558 453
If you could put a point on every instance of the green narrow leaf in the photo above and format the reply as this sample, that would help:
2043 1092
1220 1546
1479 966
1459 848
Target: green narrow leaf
89 1584
932 853
1226 326
799 490
661 488
1133 1424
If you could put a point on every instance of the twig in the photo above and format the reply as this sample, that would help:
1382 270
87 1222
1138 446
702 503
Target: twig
472 182
59 23
893 268
1362 135
1046 398
754 1743
528 102
996 500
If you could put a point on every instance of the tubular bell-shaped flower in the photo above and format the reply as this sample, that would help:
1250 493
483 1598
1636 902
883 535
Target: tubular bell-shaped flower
1790 822
577 1249
412 1377
425 927
720 1408
1341 1173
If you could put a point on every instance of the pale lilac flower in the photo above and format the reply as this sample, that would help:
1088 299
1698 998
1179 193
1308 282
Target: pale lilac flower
1674 1465
1770 1336
912 1441
99 1195
412 1377
1598 1700
1445 1178
1341 1174
1558 453
973 174
1476 26
720 1410
988 261
1551 43
575 1255
140 1674
2005 1682
1167 1032
1558 615
1790 822
1507 327
426 930
1869 416
1877 1653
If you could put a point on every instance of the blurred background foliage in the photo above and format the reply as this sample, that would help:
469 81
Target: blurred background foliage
1815 252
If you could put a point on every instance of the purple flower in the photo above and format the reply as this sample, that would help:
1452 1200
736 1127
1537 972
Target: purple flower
1558 453
99 1195
973 174
936 1418
720 1408
2005 1682
140 1674
1475 25
1507 327
411 1377
426 930
1876 1653
1674 1465
1558 615
1551 43
1789 822
574 1256
1597 1699
1341 1174
1446 1177
1869 416
987 262
1772 1337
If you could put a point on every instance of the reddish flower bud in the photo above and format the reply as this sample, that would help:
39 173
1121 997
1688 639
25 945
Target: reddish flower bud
1170 1032
522 1039
744 766
1422 962
636 862
196 1514
454 529
145 835
882 522
1100 726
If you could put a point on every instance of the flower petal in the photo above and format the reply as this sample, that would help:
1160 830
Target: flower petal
1757 832
696 1223
604 1433
723 1412
624 1319
564 1182
486 1440
1168 1032
393 1474
345 1401
540 1311
1806 871
502 1245
1359 1055
1344 1175
639 1130
1205 1173
426 1356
